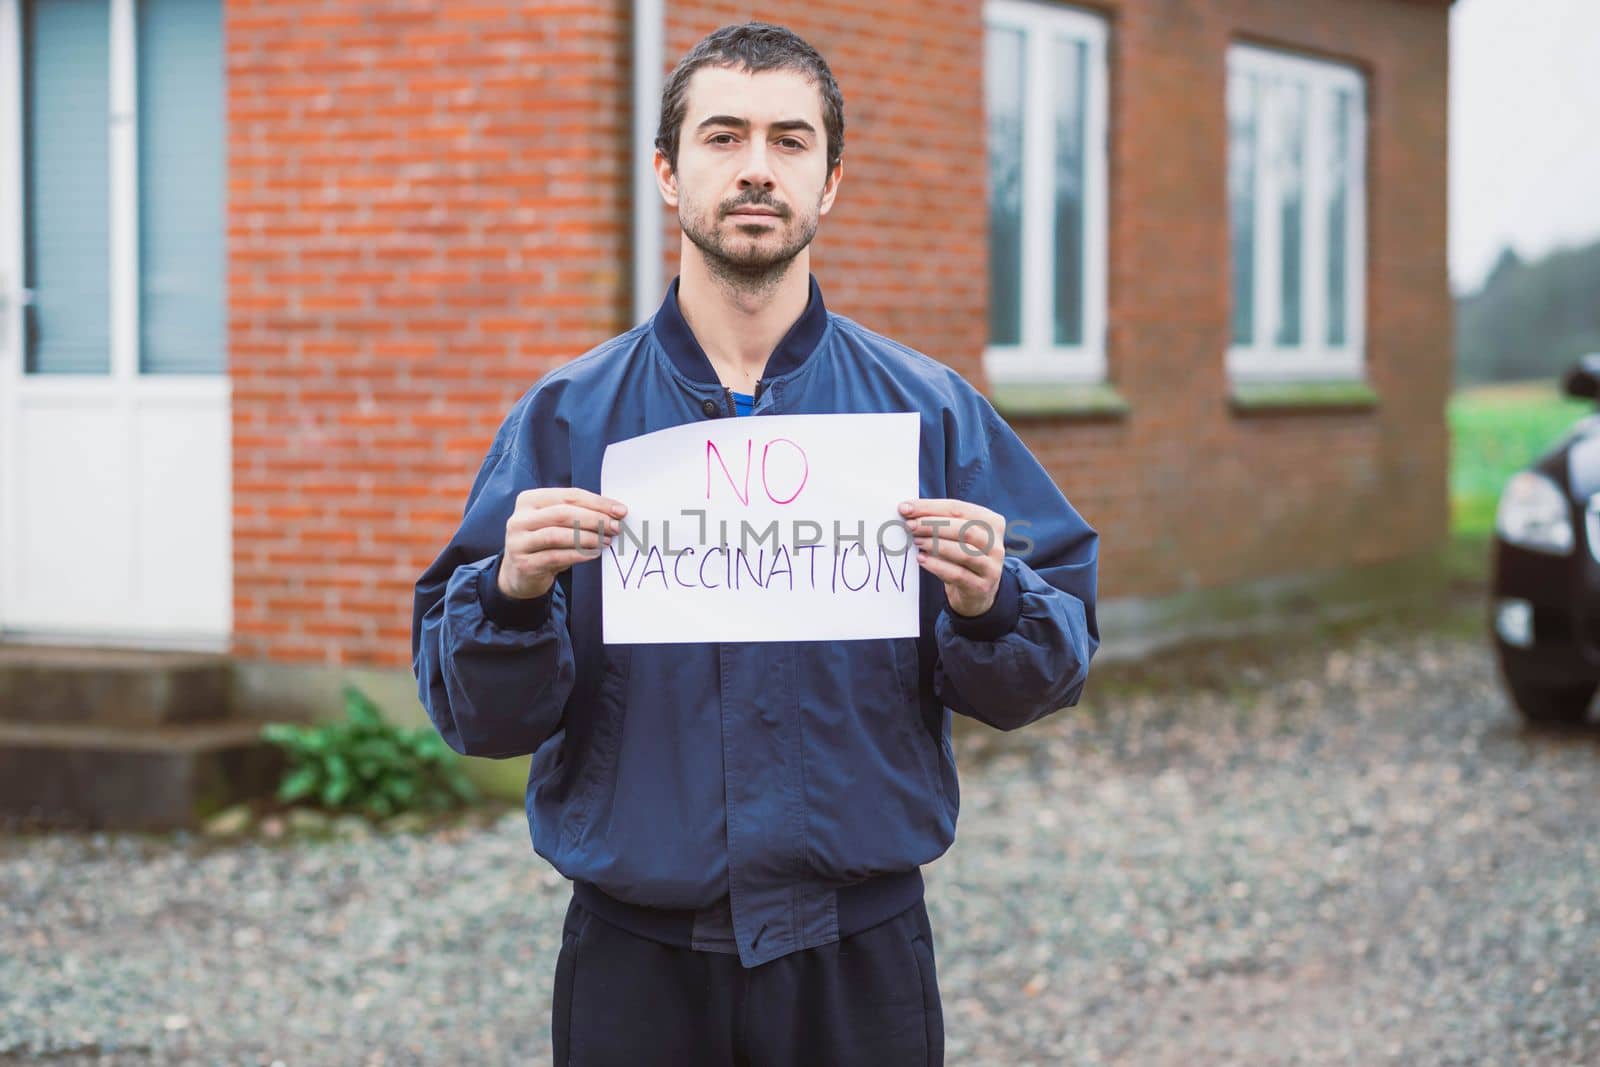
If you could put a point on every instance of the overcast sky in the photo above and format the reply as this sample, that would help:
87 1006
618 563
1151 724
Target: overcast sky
1524 129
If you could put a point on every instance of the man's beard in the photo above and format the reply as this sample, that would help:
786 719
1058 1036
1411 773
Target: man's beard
750 268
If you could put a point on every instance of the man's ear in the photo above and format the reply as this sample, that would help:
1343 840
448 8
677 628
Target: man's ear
666 180
830 188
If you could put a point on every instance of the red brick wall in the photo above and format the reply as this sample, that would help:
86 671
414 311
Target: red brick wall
1187 494
430 209
1197 496
912 77
427 211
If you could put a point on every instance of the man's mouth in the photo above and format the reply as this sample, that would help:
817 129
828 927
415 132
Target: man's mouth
754 212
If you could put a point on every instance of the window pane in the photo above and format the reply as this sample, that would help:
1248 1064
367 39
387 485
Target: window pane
1242 202
66 115
1003 84
182 187
1289 168
1338 185
1069 65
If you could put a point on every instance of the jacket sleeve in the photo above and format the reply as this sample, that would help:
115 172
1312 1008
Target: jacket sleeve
493 673
1029 653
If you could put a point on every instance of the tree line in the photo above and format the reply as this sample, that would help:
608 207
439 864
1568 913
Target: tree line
1530 319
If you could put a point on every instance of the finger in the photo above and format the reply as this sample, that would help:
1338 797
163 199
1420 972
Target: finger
566 516
980 532
952 574
962 579
936 506
551 538
963 552
572 494
557 560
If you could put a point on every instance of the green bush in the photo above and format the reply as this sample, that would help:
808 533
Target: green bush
366 764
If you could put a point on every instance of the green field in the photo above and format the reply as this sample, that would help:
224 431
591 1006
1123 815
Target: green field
1495 430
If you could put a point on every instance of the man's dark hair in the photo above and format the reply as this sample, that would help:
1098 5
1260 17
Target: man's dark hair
752 46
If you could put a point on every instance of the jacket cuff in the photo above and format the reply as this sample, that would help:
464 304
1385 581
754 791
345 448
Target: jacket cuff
1000 619
506 612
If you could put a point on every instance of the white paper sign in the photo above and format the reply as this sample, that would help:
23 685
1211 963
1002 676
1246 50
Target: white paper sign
763 528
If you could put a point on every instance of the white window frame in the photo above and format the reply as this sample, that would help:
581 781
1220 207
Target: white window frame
1313 358
1038 358
123 264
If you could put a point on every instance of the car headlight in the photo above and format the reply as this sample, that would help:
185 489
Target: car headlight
1533 513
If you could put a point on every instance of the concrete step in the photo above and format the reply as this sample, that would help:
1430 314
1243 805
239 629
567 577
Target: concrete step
130 778
114 687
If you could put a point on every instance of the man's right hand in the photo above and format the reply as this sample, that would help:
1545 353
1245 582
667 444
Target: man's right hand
549 531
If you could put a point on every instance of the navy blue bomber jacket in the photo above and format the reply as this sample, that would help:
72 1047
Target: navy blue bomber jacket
780 780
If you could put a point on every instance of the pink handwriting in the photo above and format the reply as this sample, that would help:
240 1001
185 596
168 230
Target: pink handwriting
742 491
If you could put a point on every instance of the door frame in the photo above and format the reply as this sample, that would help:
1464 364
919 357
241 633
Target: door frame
124 391
12 296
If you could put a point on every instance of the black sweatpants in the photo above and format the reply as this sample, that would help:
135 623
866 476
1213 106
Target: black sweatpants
870 999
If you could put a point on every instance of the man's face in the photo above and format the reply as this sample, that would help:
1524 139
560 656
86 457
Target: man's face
752 177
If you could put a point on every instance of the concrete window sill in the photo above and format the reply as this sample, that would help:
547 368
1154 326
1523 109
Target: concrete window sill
1280 398
1058 400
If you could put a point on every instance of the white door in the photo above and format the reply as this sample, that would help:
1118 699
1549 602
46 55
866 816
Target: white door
115 471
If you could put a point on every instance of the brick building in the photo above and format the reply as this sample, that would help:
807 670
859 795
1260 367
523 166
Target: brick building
272 272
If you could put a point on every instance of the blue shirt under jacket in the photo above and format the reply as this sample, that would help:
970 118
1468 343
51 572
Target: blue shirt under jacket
772 776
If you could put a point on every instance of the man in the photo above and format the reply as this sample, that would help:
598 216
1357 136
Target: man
745 822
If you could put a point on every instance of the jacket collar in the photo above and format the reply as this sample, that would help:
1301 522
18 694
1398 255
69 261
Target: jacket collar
678 341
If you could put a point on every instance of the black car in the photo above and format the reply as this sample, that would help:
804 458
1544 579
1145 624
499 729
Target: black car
1545 588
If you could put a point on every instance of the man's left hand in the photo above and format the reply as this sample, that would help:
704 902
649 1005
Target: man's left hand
961 544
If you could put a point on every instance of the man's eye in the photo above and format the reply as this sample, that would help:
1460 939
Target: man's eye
715 138
792 142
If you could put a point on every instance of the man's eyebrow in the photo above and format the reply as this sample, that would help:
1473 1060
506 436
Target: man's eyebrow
782 125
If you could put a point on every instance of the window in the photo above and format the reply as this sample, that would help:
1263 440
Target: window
1296 199
68 99
1045 87
125 186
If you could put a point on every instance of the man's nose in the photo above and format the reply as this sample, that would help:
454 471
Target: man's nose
756 168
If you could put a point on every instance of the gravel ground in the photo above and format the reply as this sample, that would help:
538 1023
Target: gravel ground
1346 852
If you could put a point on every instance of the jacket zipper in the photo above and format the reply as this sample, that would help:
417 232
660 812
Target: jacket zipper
756 396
